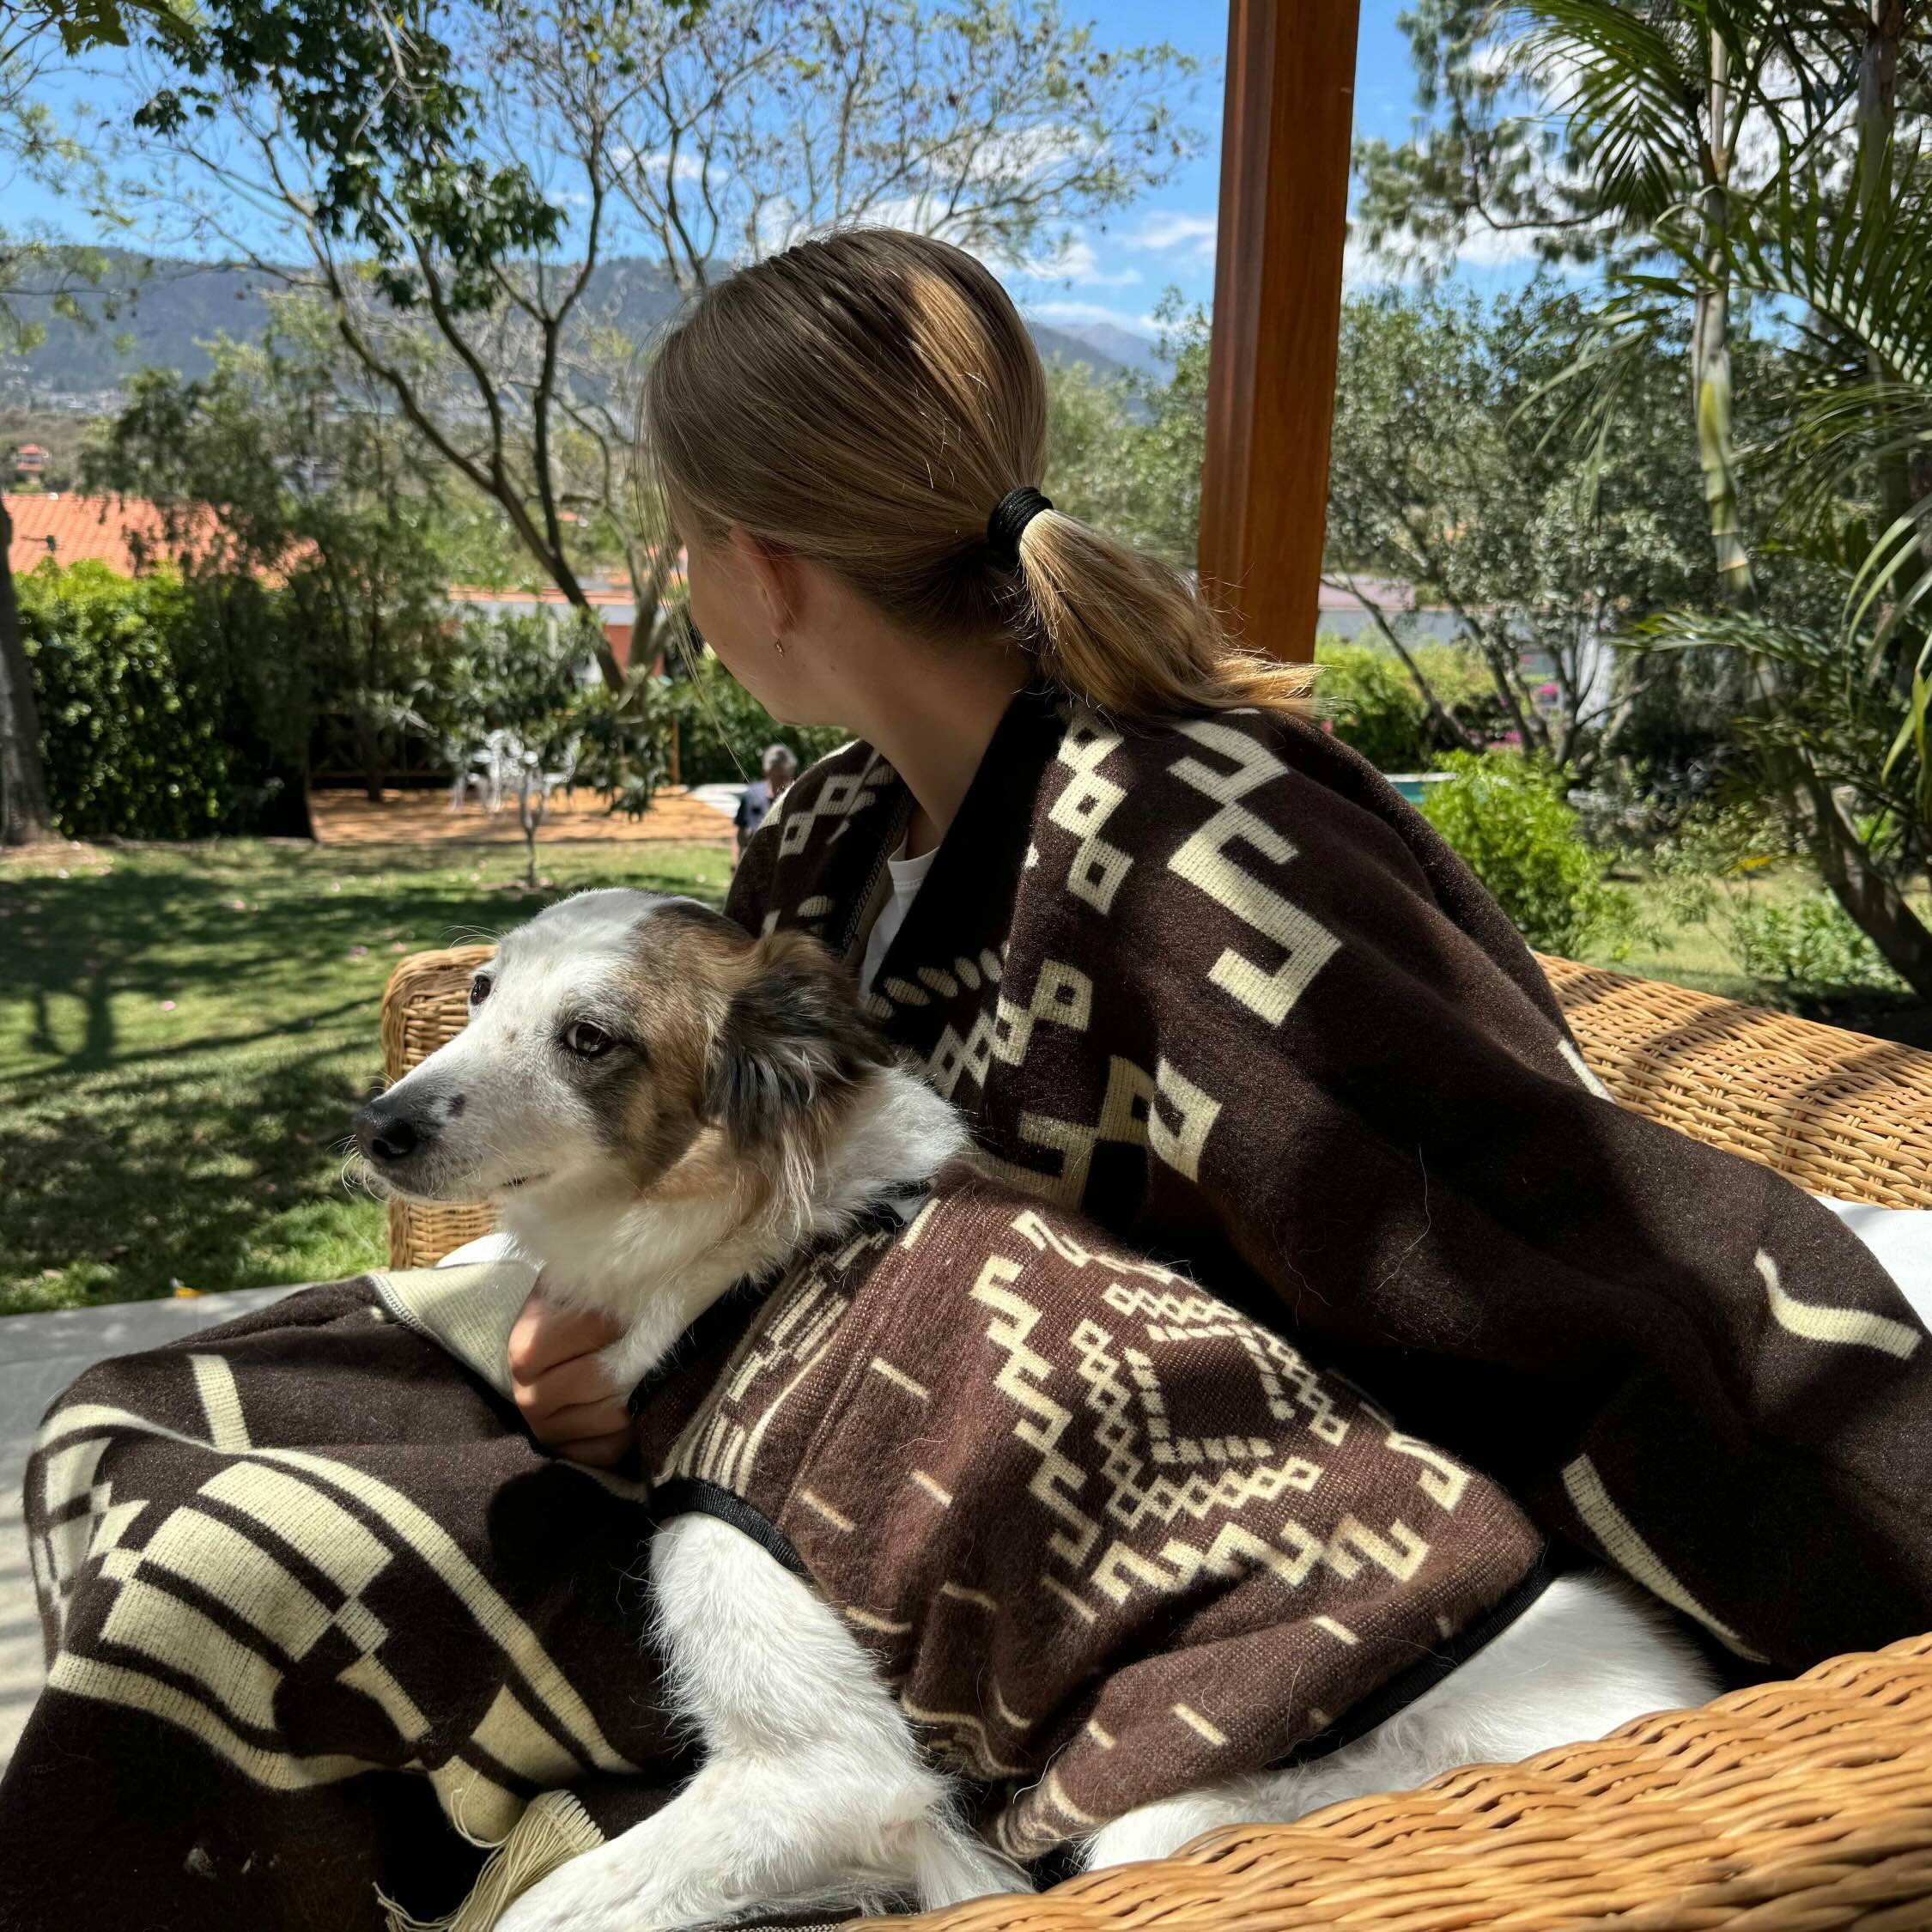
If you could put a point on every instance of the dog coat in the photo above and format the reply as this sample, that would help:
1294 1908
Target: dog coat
1106 1541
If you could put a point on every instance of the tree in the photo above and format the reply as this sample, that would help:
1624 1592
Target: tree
1441 476
284 467
1124 454
1772 151
30 264
1850 473
698 135
1583 125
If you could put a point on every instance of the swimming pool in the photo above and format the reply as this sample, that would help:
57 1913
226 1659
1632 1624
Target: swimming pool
1413 784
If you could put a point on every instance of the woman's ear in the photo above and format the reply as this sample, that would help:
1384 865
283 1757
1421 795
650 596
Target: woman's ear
792 1038
772 572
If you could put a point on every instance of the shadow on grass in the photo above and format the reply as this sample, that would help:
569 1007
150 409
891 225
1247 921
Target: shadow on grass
140 1141
159 931
124 1190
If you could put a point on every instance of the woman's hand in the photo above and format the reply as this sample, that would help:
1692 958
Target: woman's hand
560 1385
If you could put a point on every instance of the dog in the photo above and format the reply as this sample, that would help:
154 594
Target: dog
662 1109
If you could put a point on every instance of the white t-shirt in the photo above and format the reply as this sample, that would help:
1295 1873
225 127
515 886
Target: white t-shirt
908 876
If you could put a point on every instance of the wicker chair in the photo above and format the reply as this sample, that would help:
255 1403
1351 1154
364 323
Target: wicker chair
1787 1808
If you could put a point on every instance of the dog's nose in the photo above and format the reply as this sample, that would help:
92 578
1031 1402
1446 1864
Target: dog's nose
387 1135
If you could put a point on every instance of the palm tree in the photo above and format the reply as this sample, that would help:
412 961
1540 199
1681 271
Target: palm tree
1770 150
1849 474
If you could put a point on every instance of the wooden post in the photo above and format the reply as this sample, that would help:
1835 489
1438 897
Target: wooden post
1284 155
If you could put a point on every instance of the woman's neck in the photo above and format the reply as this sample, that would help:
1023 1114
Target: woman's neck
933 727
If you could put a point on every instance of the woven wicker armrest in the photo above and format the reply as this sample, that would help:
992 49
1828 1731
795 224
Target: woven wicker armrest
424 1005
1841 1113
1786 1807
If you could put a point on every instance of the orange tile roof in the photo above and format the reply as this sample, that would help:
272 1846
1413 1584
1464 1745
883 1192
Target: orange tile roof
522 594
98 529
81 527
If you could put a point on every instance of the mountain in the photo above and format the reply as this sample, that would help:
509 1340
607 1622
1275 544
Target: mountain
162 311
1110 342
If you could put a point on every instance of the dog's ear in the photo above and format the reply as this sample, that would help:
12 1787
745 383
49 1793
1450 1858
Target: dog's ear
792 1037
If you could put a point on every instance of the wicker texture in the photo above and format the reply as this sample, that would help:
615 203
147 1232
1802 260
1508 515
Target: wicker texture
1841 1113
1788 1807
426 1003
1797 1806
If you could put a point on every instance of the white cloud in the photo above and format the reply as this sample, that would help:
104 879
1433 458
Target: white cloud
1077 261
1026 153
1079 311
1170 228
689 167
1488 247
1363 269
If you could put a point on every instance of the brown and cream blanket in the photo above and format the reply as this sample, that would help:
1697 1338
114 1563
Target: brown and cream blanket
1216 985
1106 1540
321 1621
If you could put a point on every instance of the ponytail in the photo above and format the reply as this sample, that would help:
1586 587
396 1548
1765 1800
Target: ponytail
865 400
1133 636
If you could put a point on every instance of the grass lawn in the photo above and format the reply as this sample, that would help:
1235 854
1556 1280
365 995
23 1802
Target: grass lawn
185 1031
1702 954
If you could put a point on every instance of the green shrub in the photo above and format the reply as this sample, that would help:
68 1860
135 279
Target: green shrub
131 717
1372 702
723 731
1511 823
1810 947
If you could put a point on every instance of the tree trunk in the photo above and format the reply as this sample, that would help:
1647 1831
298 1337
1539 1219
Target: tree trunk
1874 903
530 814
1710 345
1447 726
1878 105
24 817
369 738
369 755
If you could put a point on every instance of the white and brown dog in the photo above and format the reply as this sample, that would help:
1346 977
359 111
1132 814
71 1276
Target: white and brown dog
661 1107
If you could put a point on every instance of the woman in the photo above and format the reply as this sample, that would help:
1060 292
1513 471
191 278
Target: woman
1271 1024
1188 965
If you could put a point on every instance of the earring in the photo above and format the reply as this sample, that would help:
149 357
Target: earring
778 645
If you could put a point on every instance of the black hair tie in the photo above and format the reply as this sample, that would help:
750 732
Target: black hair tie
1010 515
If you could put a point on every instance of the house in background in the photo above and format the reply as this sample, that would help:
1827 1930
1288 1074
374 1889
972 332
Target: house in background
30 463
612 599
127 533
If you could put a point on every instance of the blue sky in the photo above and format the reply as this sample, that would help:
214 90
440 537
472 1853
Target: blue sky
1168 239
1118 269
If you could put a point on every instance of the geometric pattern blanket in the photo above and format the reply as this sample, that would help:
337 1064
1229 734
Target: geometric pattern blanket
1212 983
1105 1540
321 1621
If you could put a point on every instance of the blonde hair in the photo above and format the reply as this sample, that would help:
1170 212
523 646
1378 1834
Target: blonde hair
864 400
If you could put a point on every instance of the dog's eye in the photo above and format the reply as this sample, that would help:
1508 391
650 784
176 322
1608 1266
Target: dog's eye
479 989
585 1040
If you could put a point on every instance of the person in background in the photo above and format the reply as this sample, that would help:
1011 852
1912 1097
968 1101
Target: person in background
781 768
